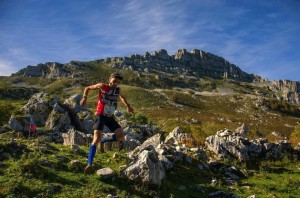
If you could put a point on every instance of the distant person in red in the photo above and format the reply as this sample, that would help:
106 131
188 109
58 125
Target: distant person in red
32 129
106 105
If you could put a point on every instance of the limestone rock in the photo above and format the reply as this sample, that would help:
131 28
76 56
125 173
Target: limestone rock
77 149
227 144
4 129
105 173
74 137
182 62
288 90
146 168
178 137
242 130
86 121
75 165
59 121
151 143
38 107
54 70
18 123
73 103
167 164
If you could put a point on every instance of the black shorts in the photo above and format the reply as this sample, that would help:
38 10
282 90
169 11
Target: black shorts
110 122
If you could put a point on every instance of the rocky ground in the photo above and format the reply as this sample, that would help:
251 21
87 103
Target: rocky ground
151 155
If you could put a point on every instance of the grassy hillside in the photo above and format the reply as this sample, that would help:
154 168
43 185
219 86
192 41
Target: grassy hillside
200 106
39 168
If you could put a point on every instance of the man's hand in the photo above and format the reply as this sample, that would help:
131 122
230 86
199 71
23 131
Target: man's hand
83 101
130 110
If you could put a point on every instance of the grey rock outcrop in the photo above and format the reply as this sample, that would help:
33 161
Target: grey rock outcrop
18 123
178 137
228 144
59 121
154 156
196 63
105 173
242 130
75 137
43 110
54 70
146 168
288 90
39 107
73 103
35 111
153 141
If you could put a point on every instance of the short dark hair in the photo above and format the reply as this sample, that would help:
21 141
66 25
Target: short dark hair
116 75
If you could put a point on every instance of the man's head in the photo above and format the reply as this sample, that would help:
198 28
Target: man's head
115 79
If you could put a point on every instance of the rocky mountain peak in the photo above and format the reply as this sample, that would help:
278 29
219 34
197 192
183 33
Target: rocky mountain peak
290 90
196 63
53 70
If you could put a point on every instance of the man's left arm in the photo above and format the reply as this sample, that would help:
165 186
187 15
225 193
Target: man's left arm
124 101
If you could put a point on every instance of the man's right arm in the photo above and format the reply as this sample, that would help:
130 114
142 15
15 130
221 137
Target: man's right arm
86 92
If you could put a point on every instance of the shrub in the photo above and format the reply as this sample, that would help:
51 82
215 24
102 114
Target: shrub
295 136
137 118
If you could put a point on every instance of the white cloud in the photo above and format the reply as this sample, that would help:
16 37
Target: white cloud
7 68
252 40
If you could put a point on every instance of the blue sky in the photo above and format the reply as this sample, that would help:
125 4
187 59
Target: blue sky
261 37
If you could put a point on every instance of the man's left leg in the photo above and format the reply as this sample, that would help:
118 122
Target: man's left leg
117 136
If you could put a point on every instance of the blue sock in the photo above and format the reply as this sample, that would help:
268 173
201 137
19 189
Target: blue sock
109 139
91 154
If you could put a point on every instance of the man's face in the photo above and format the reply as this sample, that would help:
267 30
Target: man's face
113 82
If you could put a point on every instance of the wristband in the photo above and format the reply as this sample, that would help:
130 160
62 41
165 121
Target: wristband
85 97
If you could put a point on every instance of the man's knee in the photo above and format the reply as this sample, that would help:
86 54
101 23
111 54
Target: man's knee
119 134
97 136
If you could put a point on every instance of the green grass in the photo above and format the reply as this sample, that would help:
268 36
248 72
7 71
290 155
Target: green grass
34 170
27 175
281 178
8 107
137 96
17 93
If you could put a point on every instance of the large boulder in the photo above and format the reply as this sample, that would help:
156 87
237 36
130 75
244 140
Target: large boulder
86 121
242 130
227 144
36 111
275 151
153 141
73 103
59 122
43 110
75 137
224 145
39 106
19 123
146 168
178 137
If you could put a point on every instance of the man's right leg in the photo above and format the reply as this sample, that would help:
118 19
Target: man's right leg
92 152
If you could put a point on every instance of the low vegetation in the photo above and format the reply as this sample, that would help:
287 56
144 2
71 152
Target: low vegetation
42 169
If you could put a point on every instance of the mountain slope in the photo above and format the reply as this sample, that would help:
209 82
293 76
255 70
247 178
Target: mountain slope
201 105
170 91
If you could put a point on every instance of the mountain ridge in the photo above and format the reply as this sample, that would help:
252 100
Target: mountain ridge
195 64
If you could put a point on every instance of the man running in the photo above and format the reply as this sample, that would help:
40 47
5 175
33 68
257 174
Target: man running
106 105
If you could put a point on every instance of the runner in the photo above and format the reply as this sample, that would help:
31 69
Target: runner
106 105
